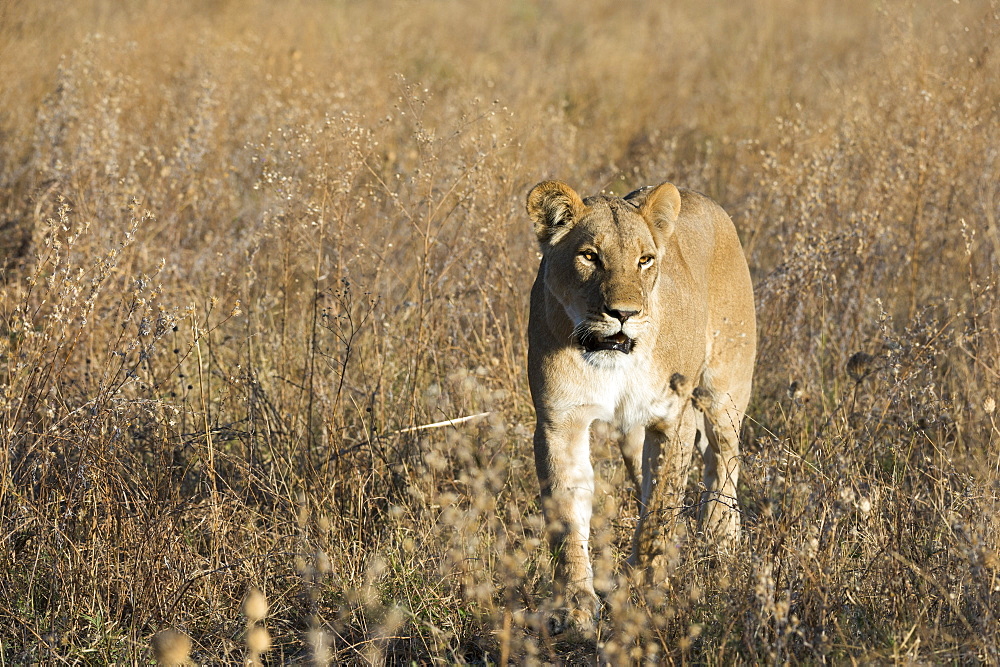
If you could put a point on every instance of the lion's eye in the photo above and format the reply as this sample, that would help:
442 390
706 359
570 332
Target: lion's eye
589 256
645 261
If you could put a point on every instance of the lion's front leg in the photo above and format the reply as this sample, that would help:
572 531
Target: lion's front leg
562 461
666 459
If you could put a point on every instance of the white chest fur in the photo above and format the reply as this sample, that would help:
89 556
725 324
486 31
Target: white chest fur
624 390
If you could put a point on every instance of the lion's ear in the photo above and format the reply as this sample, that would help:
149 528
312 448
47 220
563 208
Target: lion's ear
553 207
661 207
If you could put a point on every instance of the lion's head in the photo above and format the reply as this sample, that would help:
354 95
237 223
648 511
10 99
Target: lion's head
601 258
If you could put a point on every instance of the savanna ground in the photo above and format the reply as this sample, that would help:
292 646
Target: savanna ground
248 247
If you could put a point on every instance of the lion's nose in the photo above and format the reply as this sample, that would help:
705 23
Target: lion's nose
620 314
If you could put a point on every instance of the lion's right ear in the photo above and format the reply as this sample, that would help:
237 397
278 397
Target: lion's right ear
554 207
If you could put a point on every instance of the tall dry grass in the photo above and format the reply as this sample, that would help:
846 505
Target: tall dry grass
248 248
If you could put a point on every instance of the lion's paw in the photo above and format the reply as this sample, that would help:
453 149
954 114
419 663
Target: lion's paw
571 623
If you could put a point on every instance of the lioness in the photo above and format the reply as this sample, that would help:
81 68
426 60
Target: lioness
642 315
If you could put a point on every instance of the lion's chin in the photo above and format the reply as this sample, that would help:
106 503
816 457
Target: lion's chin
618 342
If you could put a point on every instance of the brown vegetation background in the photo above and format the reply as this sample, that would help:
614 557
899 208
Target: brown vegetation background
247 247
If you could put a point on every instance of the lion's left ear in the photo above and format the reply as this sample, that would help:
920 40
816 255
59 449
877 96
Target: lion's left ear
661 207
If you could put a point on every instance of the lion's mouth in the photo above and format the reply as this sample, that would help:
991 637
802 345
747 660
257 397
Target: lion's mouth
618 342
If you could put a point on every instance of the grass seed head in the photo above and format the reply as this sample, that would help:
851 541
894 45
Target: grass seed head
258 640
171 648
255 606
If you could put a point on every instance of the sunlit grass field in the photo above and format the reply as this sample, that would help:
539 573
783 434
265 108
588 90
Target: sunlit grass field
253 254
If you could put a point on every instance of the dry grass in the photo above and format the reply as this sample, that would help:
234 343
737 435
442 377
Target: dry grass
248 246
